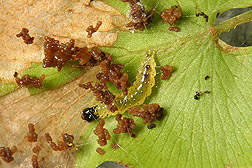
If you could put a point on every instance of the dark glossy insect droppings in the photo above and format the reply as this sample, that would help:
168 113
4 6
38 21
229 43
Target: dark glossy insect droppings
202 14
217 14
25 36
198 93
151 126
206 77
88 114
196 97
15 74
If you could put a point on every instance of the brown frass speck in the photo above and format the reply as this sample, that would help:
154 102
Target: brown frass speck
166 70
31 135
35 161
124 125
140 18
90 30
102 94
102 133
36 149
57 54
176 29
26 37
172 15
112 72
6 153
61 145
100 151
26 80
149 112
97 56
115 146
83 55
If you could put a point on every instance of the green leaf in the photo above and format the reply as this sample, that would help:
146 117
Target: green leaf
214 131
52 80
7 87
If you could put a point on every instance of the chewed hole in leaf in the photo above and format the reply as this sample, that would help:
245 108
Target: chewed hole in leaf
241 35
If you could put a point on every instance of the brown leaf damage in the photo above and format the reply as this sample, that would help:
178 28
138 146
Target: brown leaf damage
56 112
60 19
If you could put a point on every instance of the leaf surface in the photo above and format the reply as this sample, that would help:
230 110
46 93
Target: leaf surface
214 131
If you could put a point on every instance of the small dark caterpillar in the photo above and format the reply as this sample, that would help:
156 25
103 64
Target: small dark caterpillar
137 93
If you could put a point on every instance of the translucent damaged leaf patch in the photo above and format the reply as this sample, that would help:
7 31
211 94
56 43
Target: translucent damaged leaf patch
7 68
62 20
53 112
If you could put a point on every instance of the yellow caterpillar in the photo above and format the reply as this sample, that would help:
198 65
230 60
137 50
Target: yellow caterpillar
137 93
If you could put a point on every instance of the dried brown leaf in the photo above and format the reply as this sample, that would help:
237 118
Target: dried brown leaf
60 19
57 111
